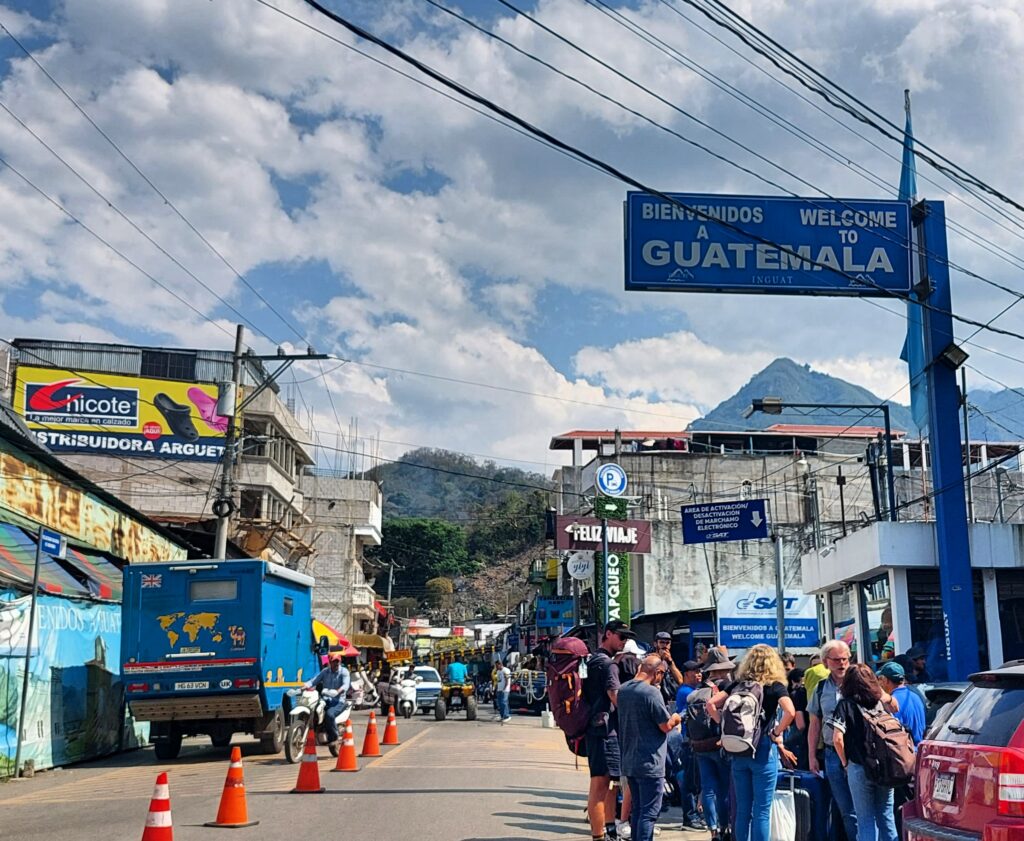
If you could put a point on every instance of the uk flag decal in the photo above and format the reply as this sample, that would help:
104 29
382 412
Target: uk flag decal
152 581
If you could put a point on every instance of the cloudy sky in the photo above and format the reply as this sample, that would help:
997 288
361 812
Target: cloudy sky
472 275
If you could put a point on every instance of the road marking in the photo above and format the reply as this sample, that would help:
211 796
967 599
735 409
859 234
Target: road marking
384 760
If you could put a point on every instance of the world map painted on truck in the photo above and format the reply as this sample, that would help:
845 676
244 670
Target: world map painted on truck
174 624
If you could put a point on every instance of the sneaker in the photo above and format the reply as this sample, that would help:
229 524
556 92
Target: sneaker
657 830
509 718
623 829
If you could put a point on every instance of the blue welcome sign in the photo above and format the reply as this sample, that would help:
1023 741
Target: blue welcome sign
712 243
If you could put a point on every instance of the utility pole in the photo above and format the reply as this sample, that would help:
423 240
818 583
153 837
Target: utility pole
780 595
225 503
841 482
967 446
229 407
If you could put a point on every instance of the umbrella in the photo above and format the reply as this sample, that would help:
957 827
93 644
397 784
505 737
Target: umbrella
335 641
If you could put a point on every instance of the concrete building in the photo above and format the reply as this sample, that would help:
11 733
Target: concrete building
798 470
142 423
346 519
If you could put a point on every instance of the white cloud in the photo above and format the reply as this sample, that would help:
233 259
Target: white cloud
219 103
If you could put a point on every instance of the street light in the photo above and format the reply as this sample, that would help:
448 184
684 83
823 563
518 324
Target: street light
775 405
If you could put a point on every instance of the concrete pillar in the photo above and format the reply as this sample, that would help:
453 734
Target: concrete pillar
906 455
984 455
900 597
993 629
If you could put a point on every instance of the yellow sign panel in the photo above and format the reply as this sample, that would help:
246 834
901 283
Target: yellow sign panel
552 571
74 412
400 654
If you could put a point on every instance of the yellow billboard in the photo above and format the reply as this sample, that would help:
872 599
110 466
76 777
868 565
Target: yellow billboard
85 412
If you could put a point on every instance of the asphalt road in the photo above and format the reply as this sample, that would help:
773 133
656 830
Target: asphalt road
449 781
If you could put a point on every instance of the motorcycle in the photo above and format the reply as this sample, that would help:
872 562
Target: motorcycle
407 694
310 710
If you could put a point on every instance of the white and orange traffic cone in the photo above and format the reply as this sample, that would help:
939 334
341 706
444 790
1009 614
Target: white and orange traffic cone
309 769
233 812
347 755
391 731
158 820
371 747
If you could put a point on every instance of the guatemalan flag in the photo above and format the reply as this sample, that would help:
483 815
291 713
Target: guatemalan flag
913 346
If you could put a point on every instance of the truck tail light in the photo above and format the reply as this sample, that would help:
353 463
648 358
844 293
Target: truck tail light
246 683
138 687
1011 784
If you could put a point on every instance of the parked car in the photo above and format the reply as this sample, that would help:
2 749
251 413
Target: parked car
937 695
970 765
529 694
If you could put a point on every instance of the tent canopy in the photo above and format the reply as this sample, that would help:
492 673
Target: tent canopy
335 640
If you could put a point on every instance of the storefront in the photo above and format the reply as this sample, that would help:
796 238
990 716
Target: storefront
880 588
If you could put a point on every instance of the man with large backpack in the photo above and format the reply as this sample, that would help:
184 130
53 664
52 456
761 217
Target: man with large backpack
705 742
600 690
686 776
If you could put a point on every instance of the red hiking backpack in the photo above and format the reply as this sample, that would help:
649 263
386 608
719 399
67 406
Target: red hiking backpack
565 690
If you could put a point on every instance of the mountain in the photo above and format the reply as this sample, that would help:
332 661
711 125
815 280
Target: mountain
796 383
448 485
996 415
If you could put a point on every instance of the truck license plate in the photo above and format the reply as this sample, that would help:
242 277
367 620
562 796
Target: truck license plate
193 684
942 789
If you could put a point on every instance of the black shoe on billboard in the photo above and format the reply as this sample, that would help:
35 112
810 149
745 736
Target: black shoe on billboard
177 416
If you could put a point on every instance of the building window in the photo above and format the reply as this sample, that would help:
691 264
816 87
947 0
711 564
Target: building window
844 618
1010 585
169 365
877 603
926 623
251 507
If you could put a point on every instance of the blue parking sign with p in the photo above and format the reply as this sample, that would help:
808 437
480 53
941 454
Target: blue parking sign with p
611 480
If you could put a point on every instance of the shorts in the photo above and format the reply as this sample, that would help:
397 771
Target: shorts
603 754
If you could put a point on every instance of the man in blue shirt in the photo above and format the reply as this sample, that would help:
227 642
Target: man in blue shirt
335 680
893 679
456 671
685 765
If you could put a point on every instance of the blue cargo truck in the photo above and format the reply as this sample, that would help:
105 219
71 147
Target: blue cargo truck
211 647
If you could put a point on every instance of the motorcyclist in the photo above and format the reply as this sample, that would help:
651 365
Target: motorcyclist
335 681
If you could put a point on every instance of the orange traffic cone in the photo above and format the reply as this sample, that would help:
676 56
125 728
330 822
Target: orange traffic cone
233 812
370 745
158 821
391 731
309 770
347 754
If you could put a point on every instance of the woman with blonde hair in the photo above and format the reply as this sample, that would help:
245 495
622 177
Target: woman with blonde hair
754 776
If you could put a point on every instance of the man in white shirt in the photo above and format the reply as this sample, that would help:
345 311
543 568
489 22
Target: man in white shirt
502 690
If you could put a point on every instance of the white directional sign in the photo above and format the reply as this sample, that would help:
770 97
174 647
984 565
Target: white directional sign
611 480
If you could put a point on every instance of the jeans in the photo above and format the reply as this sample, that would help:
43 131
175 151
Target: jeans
873 804
686 780
841 793
646 794
755 778
502 699
714 781
330 722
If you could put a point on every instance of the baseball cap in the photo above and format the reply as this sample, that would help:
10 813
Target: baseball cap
892 670
631 647
917 652
691 666
663 635
617 626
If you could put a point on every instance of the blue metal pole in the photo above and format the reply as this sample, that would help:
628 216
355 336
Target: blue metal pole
951 526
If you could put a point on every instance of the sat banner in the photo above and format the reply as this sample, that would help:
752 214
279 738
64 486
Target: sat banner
747 617
72 412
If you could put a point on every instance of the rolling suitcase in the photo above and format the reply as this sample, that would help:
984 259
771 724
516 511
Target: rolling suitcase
812 798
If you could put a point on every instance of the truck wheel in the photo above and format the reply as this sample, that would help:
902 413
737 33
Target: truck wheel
295 741
440 711
272 739
471 708
169 748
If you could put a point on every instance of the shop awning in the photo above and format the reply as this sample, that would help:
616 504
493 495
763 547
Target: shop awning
335 640
103 578
373 641
18 558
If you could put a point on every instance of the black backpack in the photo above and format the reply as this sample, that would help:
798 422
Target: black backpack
702 729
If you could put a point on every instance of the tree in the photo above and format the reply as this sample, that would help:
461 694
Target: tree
422 548
439 592
507 528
